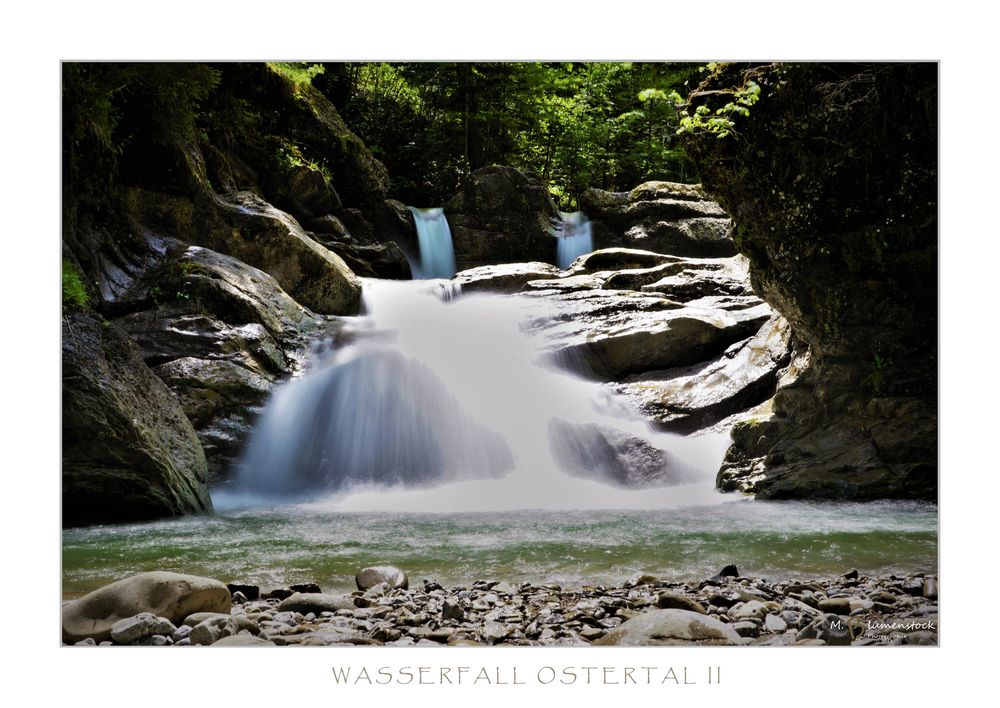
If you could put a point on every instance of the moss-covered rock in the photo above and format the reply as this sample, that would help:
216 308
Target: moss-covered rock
831 179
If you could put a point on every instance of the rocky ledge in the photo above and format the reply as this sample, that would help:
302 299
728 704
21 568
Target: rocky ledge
723 610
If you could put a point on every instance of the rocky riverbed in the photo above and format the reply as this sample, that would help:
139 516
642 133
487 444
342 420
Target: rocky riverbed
167 609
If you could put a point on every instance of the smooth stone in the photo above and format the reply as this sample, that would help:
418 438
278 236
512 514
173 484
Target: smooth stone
242 640
746 628
774 623
315 602
835 605
88 642
242 622
370 577
239 598
169 595
213 629
676 601
754 609
670 627
592 633
144 624
930 589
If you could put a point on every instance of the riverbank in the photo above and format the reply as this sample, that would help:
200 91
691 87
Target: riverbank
727 609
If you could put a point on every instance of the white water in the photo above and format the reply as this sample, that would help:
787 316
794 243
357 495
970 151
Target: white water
437 254
441 407
574 238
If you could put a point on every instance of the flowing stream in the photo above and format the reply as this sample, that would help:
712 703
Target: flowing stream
433 438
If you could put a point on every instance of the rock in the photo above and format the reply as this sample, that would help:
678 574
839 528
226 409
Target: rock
746 628
242 640
369 577
832 629
613 456
243 623
835 605
592 633
213 629
128 450
730 571
182 632
315 602
502 215
277 594
845 266
250 592
309 588
144 624
665 217
452 610
503 278
306 192
381 260
493 632
695 397
239 598
168 595
754 609
676 601
774 623
88 642
851 575
610 335
670 627
930 589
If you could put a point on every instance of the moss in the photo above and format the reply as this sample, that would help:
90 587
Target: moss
74 291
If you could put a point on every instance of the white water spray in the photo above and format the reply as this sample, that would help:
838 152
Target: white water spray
574 238
443 407
437 254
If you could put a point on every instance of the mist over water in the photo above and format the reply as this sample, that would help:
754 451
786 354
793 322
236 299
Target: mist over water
441 405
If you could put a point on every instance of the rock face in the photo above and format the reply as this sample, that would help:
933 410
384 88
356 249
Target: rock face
129 452
665 217
220 334
171 596
669 628
839 226
502 216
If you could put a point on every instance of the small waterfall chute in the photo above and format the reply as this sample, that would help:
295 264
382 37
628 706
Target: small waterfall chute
437 253
574 238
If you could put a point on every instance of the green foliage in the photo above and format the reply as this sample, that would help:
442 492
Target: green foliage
878 377
721 123
74 292
298 72
577 125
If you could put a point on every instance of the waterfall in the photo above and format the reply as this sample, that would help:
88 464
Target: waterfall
574 238
437 255
439 405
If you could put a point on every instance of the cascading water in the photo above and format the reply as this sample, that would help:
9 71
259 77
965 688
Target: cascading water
443 406
574 238
437 254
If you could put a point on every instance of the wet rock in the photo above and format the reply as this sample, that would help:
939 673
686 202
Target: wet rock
250 592
129 452
669 627
169 595
851 575
315 602
503 278
144 624
676 601
278 594
369 577
308 588
502 215
613 456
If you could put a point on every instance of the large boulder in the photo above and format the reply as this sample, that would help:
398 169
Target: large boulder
244 226
840 229
505 278
220 334
670 628
172 596
502 215
665 217
129 452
